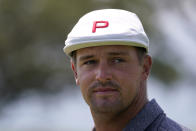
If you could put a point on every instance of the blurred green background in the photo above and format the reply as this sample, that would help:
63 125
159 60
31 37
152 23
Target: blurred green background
32 35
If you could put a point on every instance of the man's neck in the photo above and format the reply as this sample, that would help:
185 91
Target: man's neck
116 122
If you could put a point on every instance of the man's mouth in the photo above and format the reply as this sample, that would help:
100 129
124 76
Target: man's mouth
105 91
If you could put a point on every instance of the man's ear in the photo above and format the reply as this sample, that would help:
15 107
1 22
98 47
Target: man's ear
147 64
73 67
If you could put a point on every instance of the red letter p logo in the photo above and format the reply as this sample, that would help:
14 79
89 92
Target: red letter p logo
104 24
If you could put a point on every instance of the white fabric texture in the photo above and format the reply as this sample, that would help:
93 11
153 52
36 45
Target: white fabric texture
107 27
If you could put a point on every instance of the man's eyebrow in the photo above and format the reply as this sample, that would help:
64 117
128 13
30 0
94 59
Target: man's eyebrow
117 53
85 57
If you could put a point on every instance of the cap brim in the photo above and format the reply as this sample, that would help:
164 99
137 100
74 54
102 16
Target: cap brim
68 49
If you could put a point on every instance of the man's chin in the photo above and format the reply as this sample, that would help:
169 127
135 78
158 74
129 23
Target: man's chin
106 106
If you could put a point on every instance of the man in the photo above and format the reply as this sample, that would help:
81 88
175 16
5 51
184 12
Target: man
110 61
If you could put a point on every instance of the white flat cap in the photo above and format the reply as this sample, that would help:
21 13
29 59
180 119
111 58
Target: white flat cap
107 27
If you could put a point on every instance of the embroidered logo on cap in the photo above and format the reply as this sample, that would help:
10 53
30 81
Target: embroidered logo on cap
99 24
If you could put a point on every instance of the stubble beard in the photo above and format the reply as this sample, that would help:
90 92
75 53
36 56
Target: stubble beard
116 105
106 105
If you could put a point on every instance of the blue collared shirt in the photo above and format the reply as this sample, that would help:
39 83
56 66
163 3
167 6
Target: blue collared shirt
152 118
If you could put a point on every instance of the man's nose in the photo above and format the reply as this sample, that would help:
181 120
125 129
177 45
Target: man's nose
103 72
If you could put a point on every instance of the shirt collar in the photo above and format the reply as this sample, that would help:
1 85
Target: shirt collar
145 117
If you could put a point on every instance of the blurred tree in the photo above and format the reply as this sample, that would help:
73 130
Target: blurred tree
32 35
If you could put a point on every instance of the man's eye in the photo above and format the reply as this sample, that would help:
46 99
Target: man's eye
118 60
89 62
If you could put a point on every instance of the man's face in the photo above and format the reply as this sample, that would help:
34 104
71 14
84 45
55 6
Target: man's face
109 77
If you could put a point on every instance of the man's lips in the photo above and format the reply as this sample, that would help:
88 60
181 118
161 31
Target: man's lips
104 91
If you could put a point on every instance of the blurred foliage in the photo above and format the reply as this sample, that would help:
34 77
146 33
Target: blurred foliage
32 34
164 72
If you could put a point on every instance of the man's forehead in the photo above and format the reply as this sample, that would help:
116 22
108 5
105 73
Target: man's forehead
105 50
